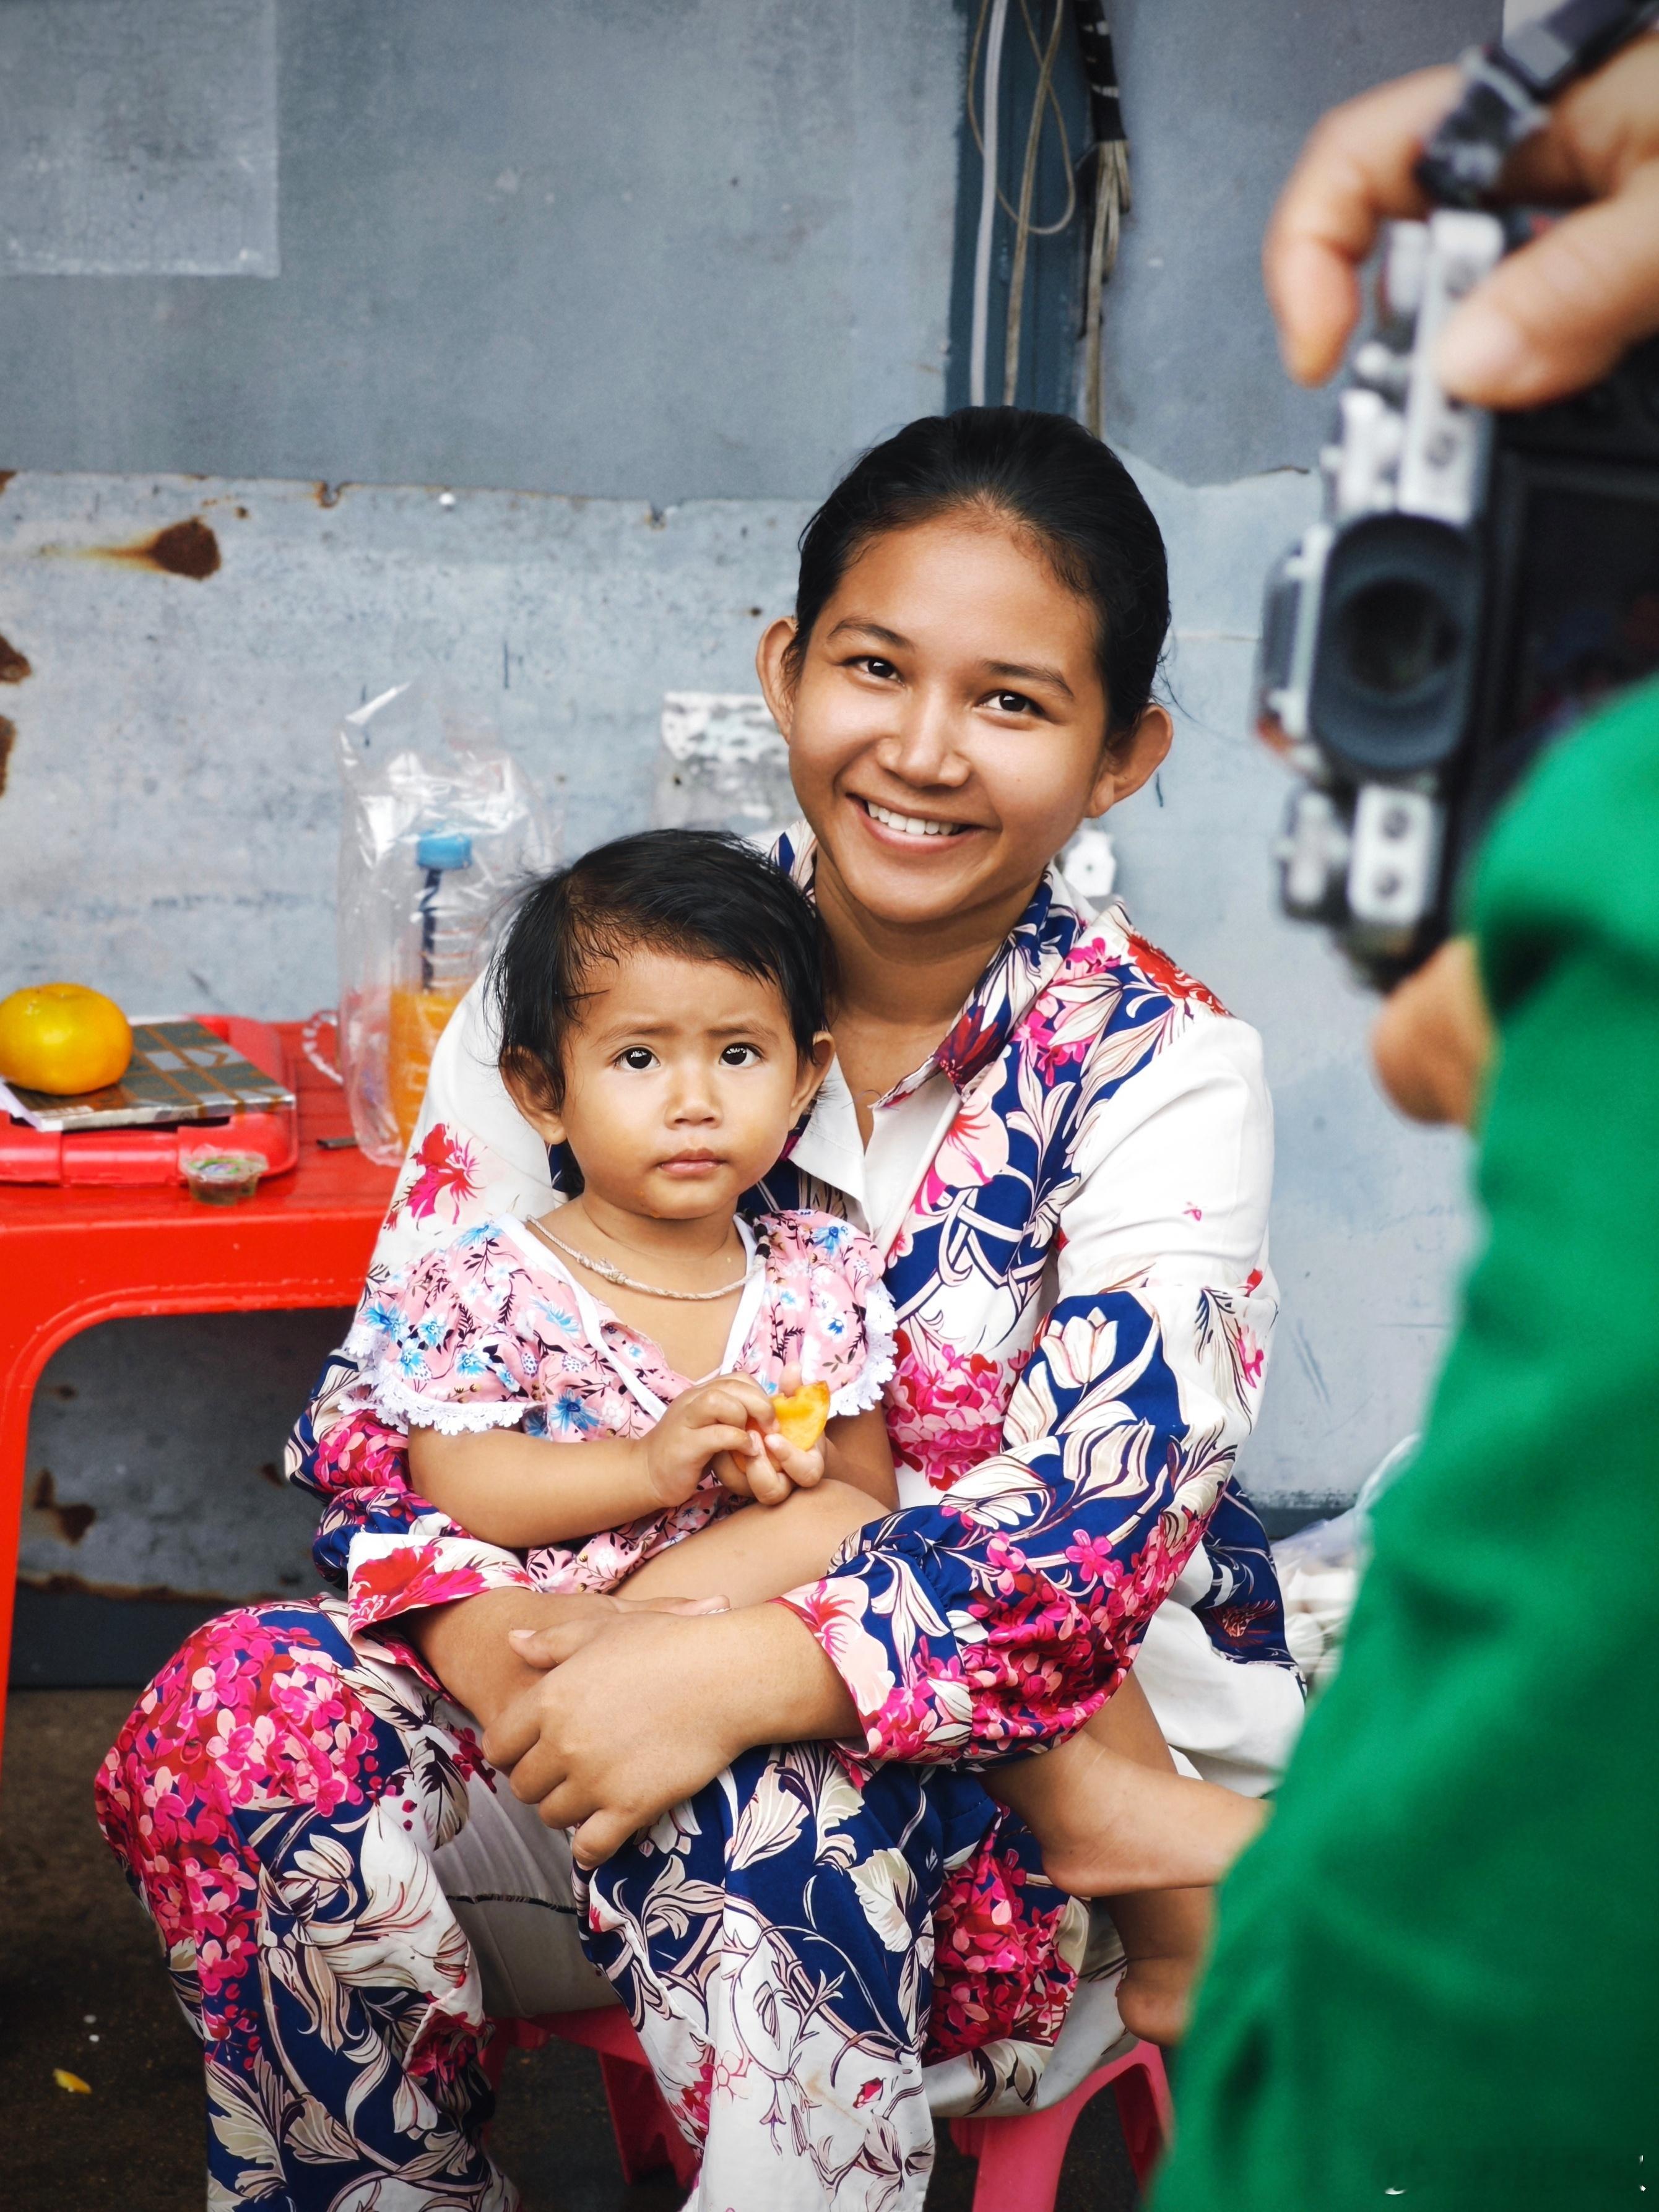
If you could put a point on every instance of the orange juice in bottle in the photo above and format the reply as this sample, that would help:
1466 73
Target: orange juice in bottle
450 955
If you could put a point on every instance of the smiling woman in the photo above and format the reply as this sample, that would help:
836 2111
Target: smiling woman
1060 1146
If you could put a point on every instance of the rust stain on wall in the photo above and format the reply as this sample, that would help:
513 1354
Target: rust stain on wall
183 548
13 667
67 1523
7 739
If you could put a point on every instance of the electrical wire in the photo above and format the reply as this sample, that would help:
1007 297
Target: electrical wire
1103 173
1110 157
980 333
1023 220
1038 230
1112 204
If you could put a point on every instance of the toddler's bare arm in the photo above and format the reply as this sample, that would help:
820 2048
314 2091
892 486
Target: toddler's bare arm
516 1490
760 1551
856 1452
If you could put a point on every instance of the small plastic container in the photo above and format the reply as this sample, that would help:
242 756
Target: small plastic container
221 1178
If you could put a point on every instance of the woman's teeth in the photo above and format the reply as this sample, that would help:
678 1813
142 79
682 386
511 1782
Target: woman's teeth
912 825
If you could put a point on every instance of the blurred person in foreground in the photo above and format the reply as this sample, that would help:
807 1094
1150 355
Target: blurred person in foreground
1437 1978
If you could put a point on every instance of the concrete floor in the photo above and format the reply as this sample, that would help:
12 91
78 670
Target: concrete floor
81 1987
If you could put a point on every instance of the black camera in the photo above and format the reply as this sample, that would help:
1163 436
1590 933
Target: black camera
1479 584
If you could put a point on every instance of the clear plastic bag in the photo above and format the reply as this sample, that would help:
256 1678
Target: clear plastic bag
1320 1569
440 826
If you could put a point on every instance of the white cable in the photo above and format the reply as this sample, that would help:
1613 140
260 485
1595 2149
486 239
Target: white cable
979 340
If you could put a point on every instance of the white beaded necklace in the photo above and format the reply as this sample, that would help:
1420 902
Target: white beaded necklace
608 1273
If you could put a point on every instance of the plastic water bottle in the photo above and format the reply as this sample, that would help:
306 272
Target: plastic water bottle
444 953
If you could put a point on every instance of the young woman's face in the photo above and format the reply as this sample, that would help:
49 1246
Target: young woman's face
947 730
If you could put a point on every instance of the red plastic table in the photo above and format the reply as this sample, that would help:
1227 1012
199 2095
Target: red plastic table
72 1256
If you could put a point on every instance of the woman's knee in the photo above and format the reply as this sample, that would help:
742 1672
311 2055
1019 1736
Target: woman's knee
253 1712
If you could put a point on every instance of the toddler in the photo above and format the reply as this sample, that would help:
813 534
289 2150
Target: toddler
663 1021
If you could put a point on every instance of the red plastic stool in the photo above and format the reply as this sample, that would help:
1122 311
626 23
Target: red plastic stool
1020 2157
647 2137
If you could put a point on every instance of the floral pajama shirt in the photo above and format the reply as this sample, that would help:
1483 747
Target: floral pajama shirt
1070 1204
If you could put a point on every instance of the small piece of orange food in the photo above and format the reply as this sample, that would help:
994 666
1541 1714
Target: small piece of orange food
62 1038
802 1414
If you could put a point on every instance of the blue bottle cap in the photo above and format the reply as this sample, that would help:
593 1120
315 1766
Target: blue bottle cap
444 848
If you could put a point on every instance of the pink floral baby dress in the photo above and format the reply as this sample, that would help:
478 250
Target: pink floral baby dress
491 1330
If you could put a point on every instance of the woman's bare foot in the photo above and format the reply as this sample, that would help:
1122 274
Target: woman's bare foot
1154 1999
1108 1825
1165 1936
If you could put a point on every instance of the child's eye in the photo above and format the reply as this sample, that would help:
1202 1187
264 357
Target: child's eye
873 664
740 1055
1014 702
637 1058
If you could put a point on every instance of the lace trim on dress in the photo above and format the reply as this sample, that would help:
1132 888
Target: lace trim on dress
450 1417
880 1325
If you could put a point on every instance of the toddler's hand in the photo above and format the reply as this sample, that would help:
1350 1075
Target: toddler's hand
772 1466
721 1421
803 1469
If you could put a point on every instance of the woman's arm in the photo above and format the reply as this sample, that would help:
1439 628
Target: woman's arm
1000 1618
638 1711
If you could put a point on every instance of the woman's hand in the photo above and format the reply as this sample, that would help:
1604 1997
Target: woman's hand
472 1646
641 1710
1550 319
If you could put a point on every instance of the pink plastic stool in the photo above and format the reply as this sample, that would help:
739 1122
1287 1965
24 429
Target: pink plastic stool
647 2137
1020 2157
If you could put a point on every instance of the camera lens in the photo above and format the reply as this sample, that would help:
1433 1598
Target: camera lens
1394 659
1397 638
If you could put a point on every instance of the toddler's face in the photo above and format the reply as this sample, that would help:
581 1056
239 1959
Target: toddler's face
681 1085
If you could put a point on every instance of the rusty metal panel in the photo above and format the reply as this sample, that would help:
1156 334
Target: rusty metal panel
169 821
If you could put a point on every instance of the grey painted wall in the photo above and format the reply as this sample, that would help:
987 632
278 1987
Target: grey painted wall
660 249
167 830
1216 99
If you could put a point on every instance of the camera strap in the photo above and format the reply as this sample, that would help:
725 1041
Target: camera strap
1508 88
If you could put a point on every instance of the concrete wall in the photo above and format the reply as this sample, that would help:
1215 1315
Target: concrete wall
706 362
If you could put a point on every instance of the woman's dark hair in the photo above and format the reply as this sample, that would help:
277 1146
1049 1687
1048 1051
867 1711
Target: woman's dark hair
1045 476
702 894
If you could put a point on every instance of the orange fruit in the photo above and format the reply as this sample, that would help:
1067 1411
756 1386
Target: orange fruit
803 1414
62 1038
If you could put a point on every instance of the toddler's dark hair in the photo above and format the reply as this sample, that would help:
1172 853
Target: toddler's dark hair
702 894
1046 476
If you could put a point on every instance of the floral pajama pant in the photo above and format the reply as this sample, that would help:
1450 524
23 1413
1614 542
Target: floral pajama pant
344 1889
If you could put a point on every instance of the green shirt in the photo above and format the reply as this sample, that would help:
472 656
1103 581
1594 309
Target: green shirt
1437 1978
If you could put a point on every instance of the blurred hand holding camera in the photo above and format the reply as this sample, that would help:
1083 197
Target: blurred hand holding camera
1433 1042
1552 317
1549 320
